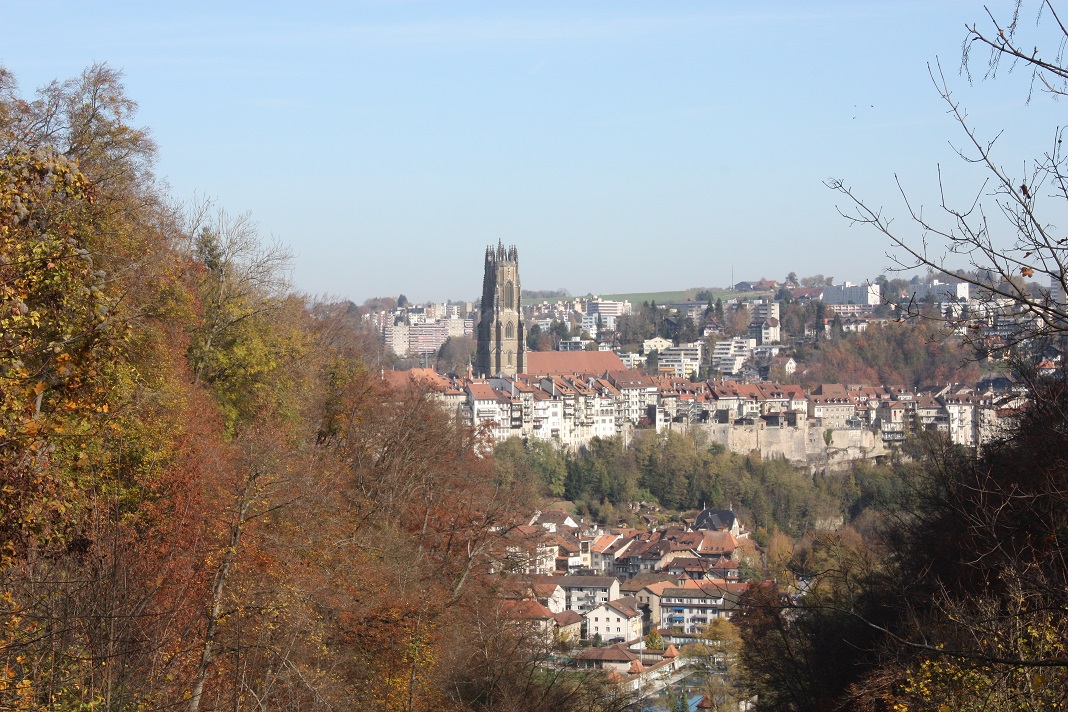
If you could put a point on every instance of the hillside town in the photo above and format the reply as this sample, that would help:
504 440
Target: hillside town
605 595
578 374
625 600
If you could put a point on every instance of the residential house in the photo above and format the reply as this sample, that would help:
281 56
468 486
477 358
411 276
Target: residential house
618 620
691 607
584 593
615 658
530 551
569 626
831 404
649 598
531 613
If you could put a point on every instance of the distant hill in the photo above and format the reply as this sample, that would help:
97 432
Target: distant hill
686 295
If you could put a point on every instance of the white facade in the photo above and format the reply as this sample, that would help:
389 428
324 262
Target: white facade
614 622
657 343
395 336
608 308
690 610
763 309
728 356
849 293
683 360
938 291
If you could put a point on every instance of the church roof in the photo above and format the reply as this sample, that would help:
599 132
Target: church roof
715 519
556 363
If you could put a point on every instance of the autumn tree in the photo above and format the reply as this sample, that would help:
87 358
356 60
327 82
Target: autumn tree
716 655
98 546
210 498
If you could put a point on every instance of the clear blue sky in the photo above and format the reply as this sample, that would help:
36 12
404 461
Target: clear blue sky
622 146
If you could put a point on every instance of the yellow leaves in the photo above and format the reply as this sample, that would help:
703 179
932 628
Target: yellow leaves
1027 272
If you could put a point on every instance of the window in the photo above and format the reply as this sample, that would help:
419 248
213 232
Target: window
509 295
509 330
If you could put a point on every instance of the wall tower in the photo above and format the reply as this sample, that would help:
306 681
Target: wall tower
502 344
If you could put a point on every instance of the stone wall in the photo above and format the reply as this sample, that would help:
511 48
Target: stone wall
802 445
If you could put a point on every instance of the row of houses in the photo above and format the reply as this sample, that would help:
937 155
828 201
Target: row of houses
590 582
571 398
672 606
708 551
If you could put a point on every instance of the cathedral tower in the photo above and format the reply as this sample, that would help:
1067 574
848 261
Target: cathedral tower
502 345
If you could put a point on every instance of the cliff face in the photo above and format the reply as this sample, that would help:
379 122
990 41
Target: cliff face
803 445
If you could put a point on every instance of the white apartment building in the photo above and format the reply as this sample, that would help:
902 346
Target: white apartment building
657 343
395 336
763 309
728 356
691 609
938 292
607 308
849 293
683 360
615 621
420 334
631 360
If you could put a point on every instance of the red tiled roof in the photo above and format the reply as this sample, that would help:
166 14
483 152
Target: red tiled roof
426 376
566 618
612 654
558 363
482 391
525 610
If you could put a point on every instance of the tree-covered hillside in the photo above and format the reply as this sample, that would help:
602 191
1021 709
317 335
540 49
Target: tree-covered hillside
208 500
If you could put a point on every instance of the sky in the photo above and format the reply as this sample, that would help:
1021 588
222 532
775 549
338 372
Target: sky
621 146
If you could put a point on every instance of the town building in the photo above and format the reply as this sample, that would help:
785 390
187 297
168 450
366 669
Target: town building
848 293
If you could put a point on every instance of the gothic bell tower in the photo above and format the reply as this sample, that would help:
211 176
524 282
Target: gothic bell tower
502 344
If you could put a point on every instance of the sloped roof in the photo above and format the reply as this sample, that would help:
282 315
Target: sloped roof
658 588
644 580
611 654
625 607
566 618
715 519
525 610
561 363
427 377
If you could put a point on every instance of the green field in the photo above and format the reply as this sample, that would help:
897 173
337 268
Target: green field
687 295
